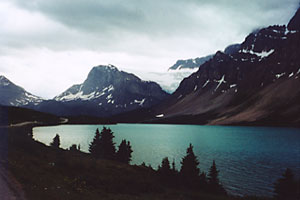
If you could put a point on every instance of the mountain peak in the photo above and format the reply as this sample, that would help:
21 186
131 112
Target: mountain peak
4 81
108 67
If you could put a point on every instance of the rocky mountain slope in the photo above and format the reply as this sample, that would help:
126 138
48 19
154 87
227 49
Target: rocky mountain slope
258 84
13 95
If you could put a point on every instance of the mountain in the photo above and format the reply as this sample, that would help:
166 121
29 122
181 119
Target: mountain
13 95
258 84
105 92
190 63
197 62
294 23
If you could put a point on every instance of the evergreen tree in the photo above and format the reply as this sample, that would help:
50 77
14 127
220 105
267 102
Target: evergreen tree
124 152
189 164
213 175
56 142
165 169
74 148
107 146
94 147
102 145
286 188
213 180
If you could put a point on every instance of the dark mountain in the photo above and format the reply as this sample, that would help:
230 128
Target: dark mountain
13 95
105 92
259 84
294 24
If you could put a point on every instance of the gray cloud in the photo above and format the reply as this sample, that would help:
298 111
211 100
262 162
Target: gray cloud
146 36
99 21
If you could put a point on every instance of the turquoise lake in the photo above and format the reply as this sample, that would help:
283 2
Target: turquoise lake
250 159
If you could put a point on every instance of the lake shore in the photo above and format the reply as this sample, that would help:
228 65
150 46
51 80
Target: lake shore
45 173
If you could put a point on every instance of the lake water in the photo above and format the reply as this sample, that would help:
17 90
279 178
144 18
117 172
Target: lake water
250 159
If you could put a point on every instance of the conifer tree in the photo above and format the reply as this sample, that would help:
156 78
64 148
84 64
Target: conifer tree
286 187
102 145
189 165
213 174
74 148
165 167
213 180
124 152
107 146
56 142
94 147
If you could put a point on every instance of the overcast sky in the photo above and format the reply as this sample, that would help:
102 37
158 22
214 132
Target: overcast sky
48 45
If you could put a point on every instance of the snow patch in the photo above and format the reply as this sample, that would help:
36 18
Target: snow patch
160 115
110 88
262 54
109 96
222 80
195 88
279 75
78 95
205 83
141 102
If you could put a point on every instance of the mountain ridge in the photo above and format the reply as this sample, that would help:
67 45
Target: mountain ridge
13 95
256 85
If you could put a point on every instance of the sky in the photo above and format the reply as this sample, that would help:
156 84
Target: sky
47 46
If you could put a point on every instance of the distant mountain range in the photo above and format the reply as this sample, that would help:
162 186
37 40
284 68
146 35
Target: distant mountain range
105 92
197 62
253 83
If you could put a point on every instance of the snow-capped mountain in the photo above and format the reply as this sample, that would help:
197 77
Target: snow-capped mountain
257 84
184 68
13 95
105 92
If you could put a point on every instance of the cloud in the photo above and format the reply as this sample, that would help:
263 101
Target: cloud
39 37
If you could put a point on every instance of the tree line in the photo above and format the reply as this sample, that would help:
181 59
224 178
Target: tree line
189 175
